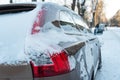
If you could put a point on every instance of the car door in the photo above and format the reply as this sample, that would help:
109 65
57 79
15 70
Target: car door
77 49
96 53
89 44
92 46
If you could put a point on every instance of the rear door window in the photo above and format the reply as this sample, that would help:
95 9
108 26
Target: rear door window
81 25
16 8
67 23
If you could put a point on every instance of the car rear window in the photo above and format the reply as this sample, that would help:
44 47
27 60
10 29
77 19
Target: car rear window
15 8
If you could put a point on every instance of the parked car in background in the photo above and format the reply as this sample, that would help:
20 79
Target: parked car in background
45 41
99 28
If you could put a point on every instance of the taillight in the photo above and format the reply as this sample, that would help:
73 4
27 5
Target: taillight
39 21
52 65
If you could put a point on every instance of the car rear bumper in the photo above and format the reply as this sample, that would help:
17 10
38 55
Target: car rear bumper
24 72
73 75
16 72
16 79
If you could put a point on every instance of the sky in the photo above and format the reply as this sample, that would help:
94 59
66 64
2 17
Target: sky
4 1
111 6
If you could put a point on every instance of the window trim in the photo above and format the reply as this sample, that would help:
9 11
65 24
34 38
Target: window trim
69 32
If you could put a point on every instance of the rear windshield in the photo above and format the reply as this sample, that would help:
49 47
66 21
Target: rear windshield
15 8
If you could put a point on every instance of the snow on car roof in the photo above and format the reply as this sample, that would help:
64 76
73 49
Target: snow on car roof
53 10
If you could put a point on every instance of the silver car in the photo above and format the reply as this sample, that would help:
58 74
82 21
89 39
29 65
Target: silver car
45 41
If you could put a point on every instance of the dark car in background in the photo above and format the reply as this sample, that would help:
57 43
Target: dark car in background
99 28
45 41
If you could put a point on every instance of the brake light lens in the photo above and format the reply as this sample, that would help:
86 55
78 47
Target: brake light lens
59 65
39 21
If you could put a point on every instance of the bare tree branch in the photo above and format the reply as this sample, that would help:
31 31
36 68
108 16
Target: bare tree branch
83 3
78 6
73 5
34 0
11 1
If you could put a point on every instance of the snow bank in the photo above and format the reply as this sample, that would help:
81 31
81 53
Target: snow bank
110 55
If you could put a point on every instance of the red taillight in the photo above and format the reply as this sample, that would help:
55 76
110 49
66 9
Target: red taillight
39 21
60 65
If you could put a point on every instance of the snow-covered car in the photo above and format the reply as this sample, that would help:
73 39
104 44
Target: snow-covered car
45 41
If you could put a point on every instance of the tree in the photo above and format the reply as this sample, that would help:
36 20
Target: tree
34 0
83 8
98 11
73 5
11 1
79 7
83 3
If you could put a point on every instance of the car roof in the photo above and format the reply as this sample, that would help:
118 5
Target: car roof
53 9
14 8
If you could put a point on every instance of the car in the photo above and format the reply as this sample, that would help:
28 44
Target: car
99 28
46 41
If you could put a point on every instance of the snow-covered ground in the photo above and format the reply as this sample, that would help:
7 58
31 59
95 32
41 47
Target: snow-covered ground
110 55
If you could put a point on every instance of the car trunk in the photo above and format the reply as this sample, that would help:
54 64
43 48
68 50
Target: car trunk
15 23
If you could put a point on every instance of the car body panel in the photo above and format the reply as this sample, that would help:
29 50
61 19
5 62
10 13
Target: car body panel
68 76
49 38
16 72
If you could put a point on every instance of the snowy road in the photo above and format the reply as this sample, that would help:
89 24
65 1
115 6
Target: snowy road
110 55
